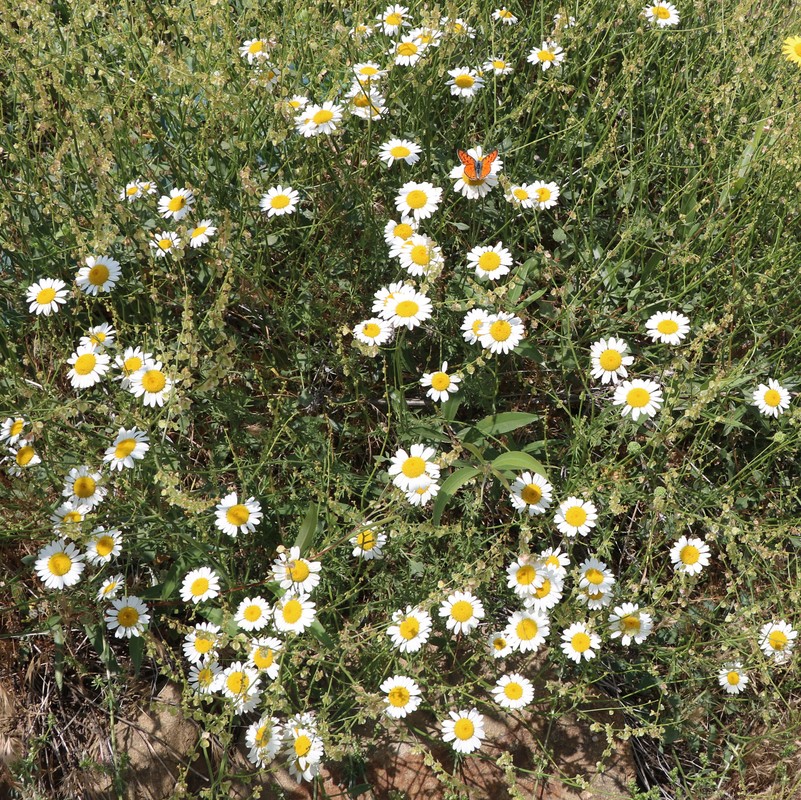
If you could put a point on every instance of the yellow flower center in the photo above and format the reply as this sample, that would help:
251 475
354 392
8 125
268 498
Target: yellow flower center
205 676
413 467
131 365
24 455
464 81
199 587
407 49
420 255
416 198
594 576
84 486
261 736
132 190
409 628
298 571
16 427
361 100
489 261
667 326
368 71
777 640
71 517
630 624
500 330
124 448
322 116
46 296
406 308
499 643
733 678
256 47
553 561
252 612
575 516
199 231
85 364
237 682
99 274
59 564
638 397
526 629
165 244
610 360
504 14
203 644
520 193
366 540
461 611
104 545
128 617
526 575
394 18
177 203
109 588
660 12
772 398
400 151
238 514
302 745
292 611
398 696
403 230
263 657
580 642
154 381
440 381
544 590
543 195
545 55
513 690
464 729
531 494
689 554
477 323
371 330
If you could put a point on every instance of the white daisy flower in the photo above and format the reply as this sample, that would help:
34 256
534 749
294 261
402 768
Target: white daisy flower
360 31
297 102
732 678
490 262
68 516
499 645
253 613
505 16
429 36
497 65
458 27
547 594
82 487
771 400
199 585
513 691
147 187
420 255
59 564
263 738
399 150
418 200
442 385
464 730
205 678
99 275
472 323
304 749
296 574
374 331
521 194
609 360
462 612
46 295
264 655
547 55
103 545
132 360
595 575
408 51
411 470
575 517
202 642
777 639
662 14
579 642
595 600
630 624
544 195
393 18
316 120
110 587
422 494
501 333
201 233
690 555
531 493
396 233
294 613
254 50
409 308
164 242
131 192
151 384
385 297
526 630
368 544
12 430
234 517
668 327
22 457
127 617
365 102
99 336
128 446
279 200
410 629
638 398
555 560
240 683
177 204
464 82
87 367
368 72
402 696
524 575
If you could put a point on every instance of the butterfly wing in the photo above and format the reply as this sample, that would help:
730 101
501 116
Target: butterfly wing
471 166
486 164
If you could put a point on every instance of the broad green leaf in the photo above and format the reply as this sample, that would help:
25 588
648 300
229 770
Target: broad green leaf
322 636
505 422
307 528
96 633
517 460
137 650
449 487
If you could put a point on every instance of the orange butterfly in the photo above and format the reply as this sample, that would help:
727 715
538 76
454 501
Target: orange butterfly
476 169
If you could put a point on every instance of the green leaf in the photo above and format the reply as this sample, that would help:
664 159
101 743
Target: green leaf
449 408
530 298
137 650
322 636
95 632
517 460
519 280
504 423
307 528
449 487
